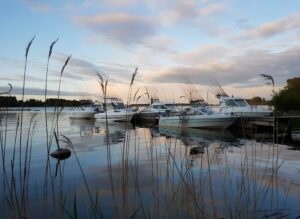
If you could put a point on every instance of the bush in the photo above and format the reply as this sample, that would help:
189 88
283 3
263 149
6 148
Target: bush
289 97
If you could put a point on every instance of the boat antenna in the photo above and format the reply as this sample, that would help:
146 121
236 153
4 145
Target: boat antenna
217 89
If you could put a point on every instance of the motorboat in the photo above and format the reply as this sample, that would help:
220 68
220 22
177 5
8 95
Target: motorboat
198 106
157 106
197 118
115 110
82 112
239 106
152 113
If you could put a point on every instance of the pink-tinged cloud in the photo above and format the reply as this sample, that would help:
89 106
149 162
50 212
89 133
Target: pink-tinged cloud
38 6
86 4
203 54
211 9
272 29
235 69
121 27
119 3
188 10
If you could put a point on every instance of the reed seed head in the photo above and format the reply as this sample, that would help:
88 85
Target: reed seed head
28 46
51 48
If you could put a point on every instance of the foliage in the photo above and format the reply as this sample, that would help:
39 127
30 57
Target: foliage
8 101
11 101
289 97
257 101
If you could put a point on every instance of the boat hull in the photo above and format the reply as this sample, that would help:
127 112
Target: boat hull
145 117
82 115
246 112
198 121
115 116
296 136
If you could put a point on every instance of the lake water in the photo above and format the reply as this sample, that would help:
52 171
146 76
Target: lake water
124 171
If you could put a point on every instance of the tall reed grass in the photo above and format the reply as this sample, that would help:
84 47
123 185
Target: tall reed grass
156 176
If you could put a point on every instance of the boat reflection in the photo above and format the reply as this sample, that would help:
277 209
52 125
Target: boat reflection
85 127
197 140
88 135
190 136
116 131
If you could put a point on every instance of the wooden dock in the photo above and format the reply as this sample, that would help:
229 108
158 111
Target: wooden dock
281 122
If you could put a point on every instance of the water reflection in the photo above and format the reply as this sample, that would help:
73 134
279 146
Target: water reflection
88 135
191 136
197 142
84 126
7 114
193 173
295 134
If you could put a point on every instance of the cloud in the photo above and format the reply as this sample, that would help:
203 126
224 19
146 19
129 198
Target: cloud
188 10
203 54
77 68
271 29
82 70
238 69
13 78
88 4
211 9
41 92
242 23
38 6
124 28
15 62
156 50
119 3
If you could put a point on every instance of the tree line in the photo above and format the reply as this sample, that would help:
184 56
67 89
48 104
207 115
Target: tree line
11 101
286 99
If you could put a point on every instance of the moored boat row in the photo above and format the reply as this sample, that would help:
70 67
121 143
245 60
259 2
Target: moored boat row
195 116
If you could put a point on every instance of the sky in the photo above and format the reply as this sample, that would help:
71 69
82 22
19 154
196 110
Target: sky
177 45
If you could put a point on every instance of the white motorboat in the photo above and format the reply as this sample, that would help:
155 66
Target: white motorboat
239 106
83 112
199 119
152 112
157 107
115 110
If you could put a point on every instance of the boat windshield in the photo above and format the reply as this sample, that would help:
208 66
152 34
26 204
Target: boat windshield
241 102
159 107
230 102
118 105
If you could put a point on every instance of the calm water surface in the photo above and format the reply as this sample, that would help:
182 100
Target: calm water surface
144 172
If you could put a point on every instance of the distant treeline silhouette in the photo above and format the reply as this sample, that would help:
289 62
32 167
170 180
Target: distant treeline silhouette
258 101
11 101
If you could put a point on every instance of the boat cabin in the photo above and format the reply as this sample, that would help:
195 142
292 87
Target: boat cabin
159 106
233 102
113 103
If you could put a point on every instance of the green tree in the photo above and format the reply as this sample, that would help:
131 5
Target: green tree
289 97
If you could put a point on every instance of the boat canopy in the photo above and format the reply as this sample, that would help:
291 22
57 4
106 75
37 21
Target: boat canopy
114 103
234 102
159 106
118 105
